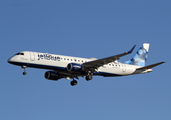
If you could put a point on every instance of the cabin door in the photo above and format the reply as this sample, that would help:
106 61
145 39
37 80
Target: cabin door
32 56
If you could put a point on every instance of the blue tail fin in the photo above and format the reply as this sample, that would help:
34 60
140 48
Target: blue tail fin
140 57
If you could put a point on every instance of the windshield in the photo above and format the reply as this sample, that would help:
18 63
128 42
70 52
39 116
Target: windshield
19 54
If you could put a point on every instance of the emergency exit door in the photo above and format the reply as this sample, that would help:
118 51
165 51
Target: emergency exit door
123 67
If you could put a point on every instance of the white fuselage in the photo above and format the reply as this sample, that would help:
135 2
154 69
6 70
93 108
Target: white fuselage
59 63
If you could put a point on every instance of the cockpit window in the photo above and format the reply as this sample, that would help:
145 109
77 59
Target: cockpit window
19 54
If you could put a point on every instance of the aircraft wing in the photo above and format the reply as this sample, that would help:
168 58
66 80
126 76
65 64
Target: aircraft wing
150 66
97 63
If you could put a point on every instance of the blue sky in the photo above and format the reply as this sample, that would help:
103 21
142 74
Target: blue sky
91 28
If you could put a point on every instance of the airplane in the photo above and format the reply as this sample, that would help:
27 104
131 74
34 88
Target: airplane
69 67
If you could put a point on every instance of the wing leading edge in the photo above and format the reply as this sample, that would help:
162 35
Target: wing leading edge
97 63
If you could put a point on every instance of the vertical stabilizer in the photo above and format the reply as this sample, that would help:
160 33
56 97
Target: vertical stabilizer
140 57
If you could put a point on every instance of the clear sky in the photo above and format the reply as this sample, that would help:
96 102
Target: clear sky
90 28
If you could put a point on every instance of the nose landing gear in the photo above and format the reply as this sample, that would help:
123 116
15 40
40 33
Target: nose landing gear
24 67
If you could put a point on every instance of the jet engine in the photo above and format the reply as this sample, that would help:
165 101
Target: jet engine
74 67
51 75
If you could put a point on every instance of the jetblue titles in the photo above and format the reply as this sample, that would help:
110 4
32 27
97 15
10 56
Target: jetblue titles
48 57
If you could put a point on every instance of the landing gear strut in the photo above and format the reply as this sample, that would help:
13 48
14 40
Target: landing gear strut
24 67
74 82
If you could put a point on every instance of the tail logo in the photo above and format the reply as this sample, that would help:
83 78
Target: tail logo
140 57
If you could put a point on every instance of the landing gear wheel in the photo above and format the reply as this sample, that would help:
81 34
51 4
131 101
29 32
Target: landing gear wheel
24 73
89 77
24 67
74 82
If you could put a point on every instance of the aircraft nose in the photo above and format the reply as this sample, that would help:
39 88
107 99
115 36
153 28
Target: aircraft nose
11 59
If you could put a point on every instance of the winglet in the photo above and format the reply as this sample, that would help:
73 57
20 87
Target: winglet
131 49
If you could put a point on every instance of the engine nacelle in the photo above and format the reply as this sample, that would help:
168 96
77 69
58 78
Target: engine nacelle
74 67
51 75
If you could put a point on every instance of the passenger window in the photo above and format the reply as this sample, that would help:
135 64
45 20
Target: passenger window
58 58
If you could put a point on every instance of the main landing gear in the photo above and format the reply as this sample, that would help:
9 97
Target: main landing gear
89 76
24 67
74 82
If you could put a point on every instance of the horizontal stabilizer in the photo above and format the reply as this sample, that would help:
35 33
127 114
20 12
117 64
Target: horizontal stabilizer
150 66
